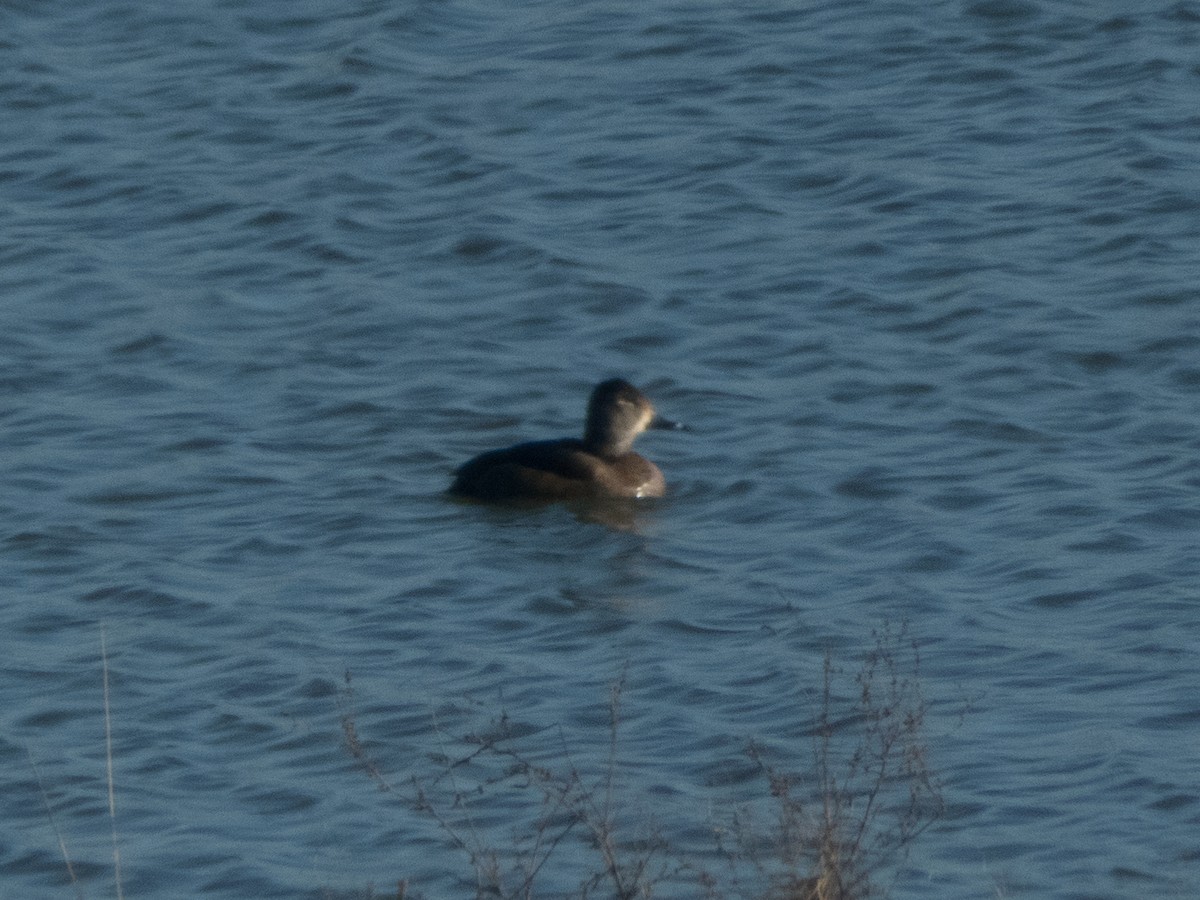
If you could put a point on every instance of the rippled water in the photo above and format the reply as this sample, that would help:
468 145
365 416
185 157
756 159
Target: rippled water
922 279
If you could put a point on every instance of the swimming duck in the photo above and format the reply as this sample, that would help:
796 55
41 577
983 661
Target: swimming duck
603 464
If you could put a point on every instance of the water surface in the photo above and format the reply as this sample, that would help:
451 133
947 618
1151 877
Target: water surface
922 281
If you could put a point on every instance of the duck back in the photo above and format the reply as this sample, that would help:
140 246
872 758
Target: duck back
556 470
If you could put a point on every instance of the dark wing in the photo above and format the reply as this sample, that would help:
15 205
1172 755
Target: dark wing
538 468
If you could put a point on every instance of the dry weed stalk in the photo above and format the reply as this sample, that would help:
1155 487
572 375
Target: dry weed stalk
871 792
839 826
350 737
108 756
112 797
49 810
568 803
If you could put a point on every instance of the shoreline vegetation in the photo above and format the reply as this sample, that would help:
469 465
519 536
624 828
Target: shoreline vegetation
837 828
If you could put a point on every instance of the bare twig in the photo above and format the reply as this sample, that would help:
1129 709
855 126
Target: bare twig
350 736
838 826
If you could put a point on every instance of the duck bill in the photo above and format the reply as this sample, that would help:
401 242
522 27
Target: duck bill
660 424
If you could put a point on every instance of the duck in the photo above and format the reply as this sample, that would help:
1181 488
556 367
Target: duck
601 465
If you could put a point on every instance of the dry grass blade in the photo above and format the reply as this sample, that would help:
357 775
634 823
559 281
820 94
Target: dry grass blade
108 756
62 844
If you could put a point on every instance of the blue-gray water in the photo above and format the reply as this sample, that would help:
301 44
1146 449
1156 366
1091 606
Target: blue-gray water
923 278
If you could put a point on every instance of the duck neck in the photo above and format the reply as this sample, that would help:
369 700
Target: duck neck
603 442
